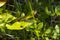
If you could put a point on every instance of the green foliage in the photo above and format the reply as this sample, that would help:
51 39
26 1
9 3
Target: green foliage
30 20
18 25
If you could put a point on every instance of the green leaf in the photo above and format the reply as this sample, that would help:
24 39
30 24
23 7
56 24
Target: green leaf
57 10
2 28
14 26
40 25
18 25
54 35
32 38
7 17
37 33
47 38
48 31
49 12
57 29
56 32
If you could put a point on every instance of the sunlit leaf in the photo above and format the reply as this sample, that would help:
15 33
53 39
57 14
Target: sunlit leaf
37 33
18 25
7 17
55 35
57 28
56 32
28 17
15 26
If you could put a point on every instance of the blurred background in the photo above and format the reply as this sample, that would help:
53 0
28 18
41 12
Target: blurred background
29 19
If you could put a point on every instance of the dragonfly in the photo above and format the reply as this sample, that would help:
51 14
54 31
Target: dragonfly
2 2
